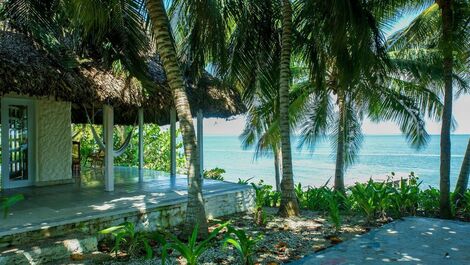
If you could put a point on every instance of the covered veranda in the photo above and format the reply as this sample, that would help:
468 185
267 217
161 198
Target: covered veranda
157 200
57 202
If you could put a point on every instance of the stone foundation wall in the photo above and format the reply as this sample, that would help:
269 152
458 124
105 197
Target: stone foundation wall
150 219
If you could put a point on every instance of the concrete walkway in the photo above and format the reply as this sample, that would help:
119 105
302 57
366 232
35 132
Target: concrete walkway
410 241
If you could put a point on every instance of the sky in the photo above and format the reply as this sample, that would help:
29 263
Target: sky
461 112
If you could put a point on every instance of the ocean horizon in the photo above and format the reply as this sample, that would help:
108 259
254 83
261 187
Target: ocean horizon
379 156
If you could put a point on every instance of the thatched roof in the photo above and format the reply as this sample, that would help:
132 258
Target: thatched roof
27 69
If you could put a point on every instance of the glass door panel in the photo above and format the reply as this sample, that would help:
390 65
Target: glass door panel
17 124
18 142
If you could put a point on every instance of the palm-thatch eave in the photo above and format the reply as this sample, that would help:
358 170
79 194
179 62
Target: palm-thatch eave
27 69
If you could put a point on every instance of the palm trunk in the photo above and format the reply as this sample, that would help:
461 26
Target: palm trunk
446 46
339 171
462 182
289 205
277 168
195 212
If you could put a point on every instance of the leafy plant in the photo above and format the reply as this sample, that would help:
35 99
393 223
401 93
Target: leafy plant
372 199
464 206
315 198
404 199
215 173
244 244
8 201
262 192
192 250
273 199
299 192
134 242
429 202
244 181
334 211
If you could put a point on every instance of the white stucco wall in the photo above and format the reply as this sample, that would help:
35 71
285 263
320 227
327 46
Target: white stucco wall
54 141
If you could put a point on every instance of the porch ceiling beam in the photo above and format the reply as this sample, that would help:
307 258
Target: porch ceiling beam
108 124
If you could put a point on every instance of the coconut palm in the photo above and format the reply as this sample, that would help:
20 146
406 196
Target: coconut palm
352 76
260 53
340 60
261 130
441 32
462 181
162 33
289 204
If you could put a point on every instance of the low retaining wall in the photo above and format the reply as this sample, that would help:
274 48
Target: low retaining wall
151 218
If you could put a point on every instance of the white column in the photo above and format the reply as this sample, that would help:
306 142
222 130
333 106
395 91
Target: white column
173 142
141 143
108 122
200 141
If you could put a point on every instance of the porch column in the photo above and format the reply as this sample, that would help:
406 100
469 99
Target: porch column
108 122
141 144
173 143
200 141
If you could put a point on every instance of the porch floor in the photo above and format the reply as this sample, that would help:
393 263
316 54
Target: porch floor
86 199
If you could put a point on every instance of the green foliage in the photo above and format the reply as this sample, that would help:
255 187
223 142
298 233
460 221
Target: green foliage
244 244
156 152
429 202
405 198
215 173
244 181
192 250
8 201
464 207
334 211
262 192
133 242
315 198
371 199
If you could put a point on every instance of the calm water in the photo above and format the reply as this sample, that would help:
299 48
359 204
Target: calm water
379 156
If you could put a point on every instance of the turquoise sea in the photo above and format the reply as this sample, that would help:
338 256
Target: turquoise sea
379 156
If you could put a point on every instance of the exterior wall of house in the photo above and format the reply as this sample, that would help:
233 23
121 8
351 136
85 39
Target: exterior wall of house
53 142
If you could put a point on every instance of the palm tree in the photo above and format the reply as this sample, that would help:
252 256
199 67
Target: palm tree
446 7
441 32
255 66
462 181
261 130
350 67
195 211
289 204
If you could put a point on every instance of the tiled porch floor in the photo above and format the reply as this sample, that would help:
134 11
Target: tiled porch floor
86 199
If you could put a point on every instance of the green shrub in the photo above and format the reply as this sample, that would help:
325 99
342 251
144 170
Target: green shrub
334 215
215 173
404 199
316 198
244 181
192 250
6 202
371 199
429 202
133 242
244 244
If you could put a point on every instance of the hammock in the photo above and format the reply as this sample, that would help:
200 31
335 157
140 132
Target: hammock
102 145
